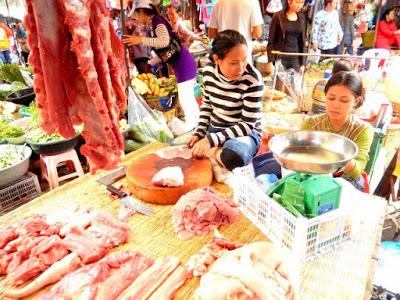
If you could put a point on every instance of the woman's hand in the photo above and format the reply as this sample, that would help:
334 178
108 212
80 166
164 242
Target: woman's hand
200 148
348 167
132 39
193 140
301 70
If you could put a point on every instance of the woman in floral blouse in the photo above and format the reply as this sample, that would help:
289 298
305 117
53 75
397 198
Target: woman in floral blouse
327 32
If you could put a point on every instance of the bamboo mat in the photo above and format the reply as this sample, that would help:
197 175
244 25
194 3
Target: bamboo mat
341 274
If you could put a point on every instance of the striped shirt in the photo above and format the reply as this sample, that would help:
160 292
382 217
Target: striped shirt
161 39
233 106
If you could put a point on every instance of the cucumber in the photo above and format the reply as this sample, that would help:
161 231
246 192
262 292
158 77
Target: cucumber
131 145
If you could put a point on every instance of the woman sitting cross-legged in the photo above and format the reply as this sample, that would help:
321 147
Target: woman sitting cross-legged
229 128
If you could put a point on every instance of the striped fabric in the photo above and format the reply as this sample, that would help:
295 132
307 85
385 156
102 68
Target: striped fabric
233 106
161 40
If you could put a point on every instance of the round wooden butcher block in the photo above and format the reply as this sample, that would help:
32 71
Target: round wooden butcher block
197 173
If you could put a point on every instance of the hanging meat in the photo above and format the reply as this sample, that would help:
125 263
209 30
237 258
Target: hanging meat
79 74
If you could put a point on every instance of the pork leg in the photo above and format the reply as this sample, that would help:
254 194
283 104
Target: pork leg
58 270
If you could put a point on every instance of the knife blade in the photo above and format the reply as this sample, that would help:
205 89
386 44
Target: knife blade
131 202
112 176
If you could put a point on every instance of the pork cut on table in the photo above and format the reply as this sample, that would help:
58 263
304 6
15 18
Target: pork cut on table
53 274
258 271
169 177
79 74
150 280
175 152
105 279
199 263
201 211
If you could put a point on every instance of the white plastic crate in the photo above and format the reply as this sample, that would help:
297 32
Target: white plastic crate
19 192
305 238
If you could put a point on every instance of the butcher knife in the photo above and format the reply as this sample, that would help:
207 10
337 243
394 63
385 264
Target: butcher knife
125 199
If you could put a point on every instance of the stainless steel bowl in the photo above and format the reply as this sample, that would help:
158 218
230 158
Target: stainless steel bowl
334 151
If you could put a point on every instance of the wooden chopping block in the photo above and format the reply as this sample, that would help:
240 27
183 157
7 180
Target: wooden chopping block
197 173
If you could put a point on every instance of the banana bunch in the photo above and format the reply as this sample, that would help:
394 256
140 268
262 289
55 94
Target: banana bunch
159 87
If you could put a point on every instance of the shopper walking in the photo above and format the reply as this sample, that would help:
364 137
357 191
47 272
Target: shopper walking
287 33
229 129
168 49
5 35
327 32
243 16
348 27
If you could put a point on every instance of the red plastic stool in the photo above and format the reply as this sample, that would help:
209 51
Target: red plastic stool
49 164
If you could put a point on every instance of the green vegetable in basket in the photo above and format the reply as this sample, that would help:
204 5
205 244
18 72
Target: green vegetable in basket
17 86
131 145
9 131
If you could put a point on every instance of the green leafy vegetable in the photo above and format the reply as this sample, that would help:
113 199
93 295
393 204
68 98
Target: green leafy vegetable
9 131
10 73
10 157
37 135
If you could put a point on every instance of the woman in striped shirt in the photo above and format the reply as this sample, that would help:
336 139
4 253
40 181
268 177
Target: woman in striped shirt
183 63
229 129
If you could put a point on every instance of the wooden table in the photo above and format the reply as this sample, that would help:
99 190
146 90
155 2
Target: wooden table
341 274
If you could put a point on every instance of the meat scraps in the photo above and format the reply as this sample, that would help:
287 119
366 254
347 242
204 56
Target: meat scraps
255 271
199 263
200 211
79 74
105 279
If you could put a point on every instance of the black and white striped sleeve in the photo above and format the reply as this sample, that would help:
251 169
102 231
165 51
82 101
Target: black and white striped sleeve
160 41
250 116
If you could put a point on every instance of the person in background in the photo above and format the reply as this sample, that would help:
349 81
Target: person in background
182 32
243 16
348 27
22 41
344 93
318 93
327 32
5 35
182 62
229 129
139 54
287 33
388 35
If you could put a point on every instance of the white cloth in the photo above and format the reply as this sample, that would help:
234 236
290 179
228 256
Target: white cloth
189 104
239 15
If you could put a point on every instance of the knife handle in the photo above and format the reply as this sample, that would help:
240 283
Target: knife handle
116 191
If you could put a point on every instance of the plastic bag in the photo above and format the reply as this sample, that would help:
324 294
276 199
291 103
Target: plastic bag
386 274
146 125
292 80
313 59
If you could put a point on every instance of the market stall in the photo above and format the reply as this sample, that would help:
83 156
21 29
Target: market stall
345 272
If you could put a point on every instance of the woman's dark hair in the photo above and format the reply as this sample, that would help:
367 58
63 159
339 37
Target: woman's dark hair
153 11
342 65
225 41
352 81
387 12
326 2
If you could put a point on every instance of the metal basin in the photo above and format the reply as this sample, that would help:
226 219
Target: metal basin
17 170
314 152
23 97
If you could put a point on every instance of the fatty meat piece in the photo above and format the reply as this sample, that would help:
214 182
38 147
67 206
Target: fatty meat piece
168 177
201 211
6 235
254 271
105 279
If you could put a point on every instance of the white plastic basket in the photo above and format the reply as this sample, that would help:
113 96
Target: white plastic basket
19 192
305 238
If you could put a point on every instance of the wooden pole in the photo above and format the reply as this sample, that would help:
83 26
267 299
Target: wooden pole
122 14
377 21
